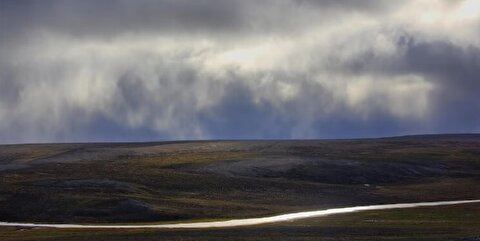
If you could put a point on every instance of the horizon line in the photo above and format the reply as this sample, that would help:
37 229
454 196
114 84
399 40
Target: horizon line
167 141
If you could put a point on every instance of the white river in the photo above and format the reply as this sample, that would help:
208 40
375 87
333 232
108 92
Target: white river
245 221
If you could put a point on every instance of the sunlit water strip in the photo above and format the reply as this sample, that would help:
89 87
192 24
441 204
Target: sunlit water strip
246 221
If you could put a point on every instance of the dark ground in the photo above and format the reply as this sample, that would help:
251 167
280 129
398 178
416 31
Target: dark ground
176 181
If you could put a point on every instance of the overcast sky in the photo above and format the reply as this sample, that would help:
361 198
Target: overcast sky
221 69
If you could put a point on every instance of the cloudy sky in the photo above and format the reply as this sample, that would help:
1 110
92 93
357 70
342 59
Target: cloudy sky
207 69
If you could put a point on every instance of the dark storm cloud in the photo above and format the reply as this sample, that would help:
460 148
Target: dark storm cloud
113 17
453 69
237 116
178 69
456 72
349 5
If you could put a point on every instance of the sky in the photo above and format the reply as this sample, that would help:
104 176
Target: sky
121 70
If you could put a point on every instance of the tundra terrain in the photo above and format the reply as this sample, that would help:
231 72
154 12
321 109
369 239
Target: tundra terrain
216 180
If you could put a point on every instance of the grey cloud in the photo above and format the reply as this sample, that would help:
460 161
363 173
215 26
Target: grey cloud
453 70
175 69
456 71
110 18
350 5
9 89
